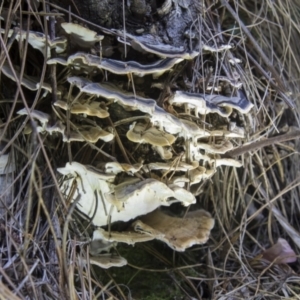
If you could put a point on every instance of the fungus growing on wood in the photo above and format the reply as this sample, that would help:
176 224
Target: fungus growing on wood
91 109
142 197
105 261
43 118
81 36
127 237
198 174
191 131
99 199
90 186
152 44
36 114
87 61
219 147
138 133
88 133
116 168
177 233
165 153
165 121
98 245
85 132
30 82
198 103
113 93
38 40
204 104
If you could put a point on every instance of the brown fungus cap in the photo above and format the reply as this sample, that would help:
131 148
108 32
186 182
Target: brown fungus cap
88 134
127 237
30 82
81 35
112 92
87 61
105 261
139 133
177 233
92 109
38 41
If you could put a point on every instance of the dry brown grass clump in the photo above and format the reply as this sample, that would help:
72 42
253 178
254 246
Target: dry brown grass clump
44 241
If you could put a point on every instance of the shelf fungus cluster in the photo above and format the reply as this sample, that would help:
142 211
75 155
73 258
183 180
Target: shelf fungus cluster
145 154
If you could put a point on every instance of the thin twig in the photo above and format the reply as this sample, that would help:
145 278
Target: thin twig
263 143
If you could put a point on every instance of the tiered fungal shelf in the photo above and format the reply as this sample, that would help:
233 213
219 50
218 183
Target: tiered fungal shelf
168 148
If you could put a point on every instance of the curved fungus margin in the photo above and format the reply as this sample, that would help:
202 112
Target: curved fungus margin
180 139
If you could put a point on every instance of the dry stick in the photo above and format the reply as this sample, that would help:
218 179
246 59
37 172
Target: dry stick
53 256
63 278
67 220
263 143
124 28
53 66
265 59
42 13
119 141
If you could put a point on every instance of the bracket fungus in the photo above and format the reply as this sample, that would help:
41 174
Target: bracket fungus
198 104
178 233
204 104
43 119
30 82
180 136
113 93
92 109
88 133
152 44
128 237
116 168
165 153
82 60
36 114
165 121
105 261
191 131
84 132
81 36
154 194
220 147
217 161
38 40
100 199
138 133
